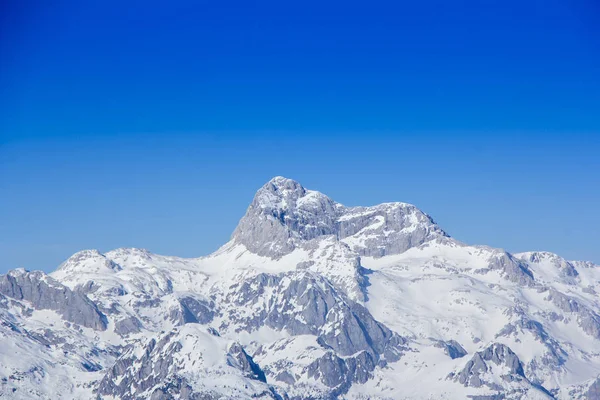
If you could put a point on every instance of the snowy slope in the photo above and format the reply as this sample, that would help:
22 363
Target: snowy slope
309 299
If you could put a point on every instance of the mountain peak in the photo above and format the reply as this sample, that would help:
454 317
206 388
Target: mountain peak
278 193
284 215
283 182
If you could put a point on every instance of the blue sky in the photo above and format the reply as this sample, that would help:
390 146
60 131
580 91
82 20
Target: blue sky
152 125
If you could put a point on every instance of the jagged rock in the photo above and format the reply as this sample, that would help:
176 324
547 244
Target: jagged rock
192 310
499 354
128 325
283 214
555 356
386 229
44 293
587 319
593 392
303 303
512 268
238 358
566 268
452 348
161 369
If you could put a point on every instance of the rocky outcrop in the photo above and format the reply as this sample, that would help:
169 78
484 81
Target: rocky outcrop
45 293
499 361
513 269
555 356
593 392
452 348
385 229
284 214
587 319
479 364
192 310
238 358
127 326
302 303
161 369
566 268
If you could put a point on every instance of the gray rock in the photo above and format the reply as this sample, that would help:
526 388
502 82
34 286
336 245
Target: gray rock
512 268
45 293
192 310
332 371
555 356
238 358
499 354
593 392
300 303
452 348
391 228
196 310
276 219
154 373
128 326
284 214
567 269
587 319
340 373
304 303
285 376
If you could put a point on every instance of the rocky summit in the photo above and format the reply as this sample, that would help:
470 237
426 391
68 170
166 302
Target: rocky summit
310 299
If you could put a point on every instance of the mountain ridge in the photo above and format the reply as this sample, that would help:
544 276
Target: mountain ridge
322 300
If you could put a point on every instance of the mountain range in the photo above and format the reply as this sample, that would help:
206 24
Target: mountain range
309 299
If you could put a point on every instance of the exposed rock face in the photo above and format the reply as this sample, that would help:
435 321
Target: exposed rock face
499 361
587 319
513 269
160 369
283 214
386 229
303 303
44 293
452 348
567 269
500 355
339 374
128 326
238 358
192 310
593 392
555 356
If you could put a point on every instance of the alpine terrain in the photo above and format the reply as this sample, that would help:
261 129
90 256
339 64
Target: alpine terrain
310 299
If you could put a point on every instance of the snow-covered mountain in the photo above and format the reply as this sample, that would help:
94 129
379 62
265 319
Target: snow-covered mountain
308 300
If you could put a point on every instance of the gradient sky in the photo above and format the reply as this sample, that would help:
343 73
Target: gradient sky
152 125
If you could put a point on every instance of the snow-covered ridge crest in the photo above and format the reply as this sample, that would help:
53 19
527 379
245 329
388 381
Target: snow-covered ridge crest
284 214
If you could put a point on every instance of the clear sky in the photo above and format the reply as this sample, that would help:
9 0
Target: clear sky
152 124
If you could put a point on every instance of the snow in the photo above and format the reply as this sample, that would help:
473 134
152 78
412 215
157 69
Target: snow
438 291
